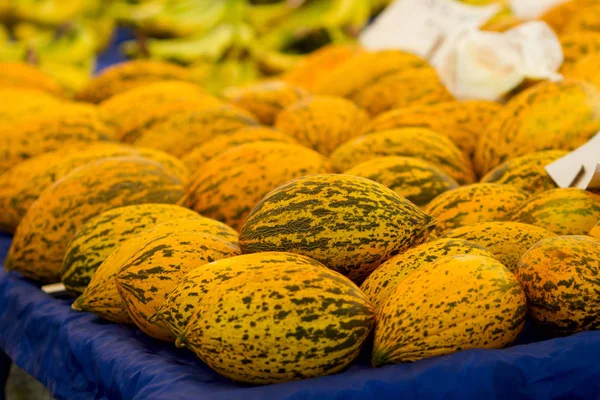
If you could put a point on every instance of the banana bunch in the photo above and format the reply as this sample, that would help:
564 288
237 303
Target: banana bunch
218 53
235 41
313 24
44 12
61 37
229 35
66 53
173 18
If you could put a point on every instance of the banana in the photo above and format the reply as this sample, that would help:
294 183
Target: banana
5 10
187 17
135 12
210 46
4 35
378 5
175 18
101 23
73 44
48 12
352 13
230 72
340 20
262 16
232 35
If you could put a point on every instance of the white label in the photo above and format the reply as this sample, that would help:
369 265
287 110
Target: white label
418 26
531 9
579 168
54 288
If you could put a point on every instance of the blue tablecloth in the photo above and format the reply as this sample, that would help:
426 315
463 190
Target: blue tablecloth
79 356
112 55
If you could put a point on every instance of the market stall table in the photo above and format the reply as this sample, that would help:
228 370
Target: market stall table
79 356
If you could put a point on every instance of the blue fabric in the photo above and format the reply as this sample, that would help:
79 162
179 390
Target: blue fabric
112 55
79 356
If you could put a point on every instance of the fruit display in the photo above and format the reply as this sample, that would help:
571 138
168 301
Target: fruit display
183 132
62 38
506 240
217 145
23 184
180 305
322 205
380 81
47 131
462 122
265 99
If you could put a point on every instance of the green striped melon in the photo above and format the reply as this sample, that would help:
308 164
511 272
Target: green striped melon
410 177
560 277
348 223
407 142
569 211
101 235
285 322
382 283
456 303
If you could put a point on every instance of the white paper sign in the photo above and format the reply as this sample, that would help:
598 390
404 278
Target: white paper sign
531 9
578 168
418 26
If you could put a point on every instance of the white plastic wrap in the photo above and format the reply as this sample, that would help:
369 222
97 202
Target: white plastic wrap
487 65
418 26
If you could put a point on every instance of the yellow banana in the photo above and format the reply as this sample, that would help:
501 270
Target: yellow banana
73 44
262 16
210 46
231 72
48 12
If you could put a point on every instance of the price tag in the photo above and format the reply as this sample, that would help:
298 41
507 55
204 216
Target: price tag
579 168
55 289
419 26
531 9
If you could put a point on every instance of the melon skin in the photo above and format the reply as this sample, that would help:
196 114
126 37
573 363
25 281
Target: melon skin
456 303
42 237
348 223
559 275
291 322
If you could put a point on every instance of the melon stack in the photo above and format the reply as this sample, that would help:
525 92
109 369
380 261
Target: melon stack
276 229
